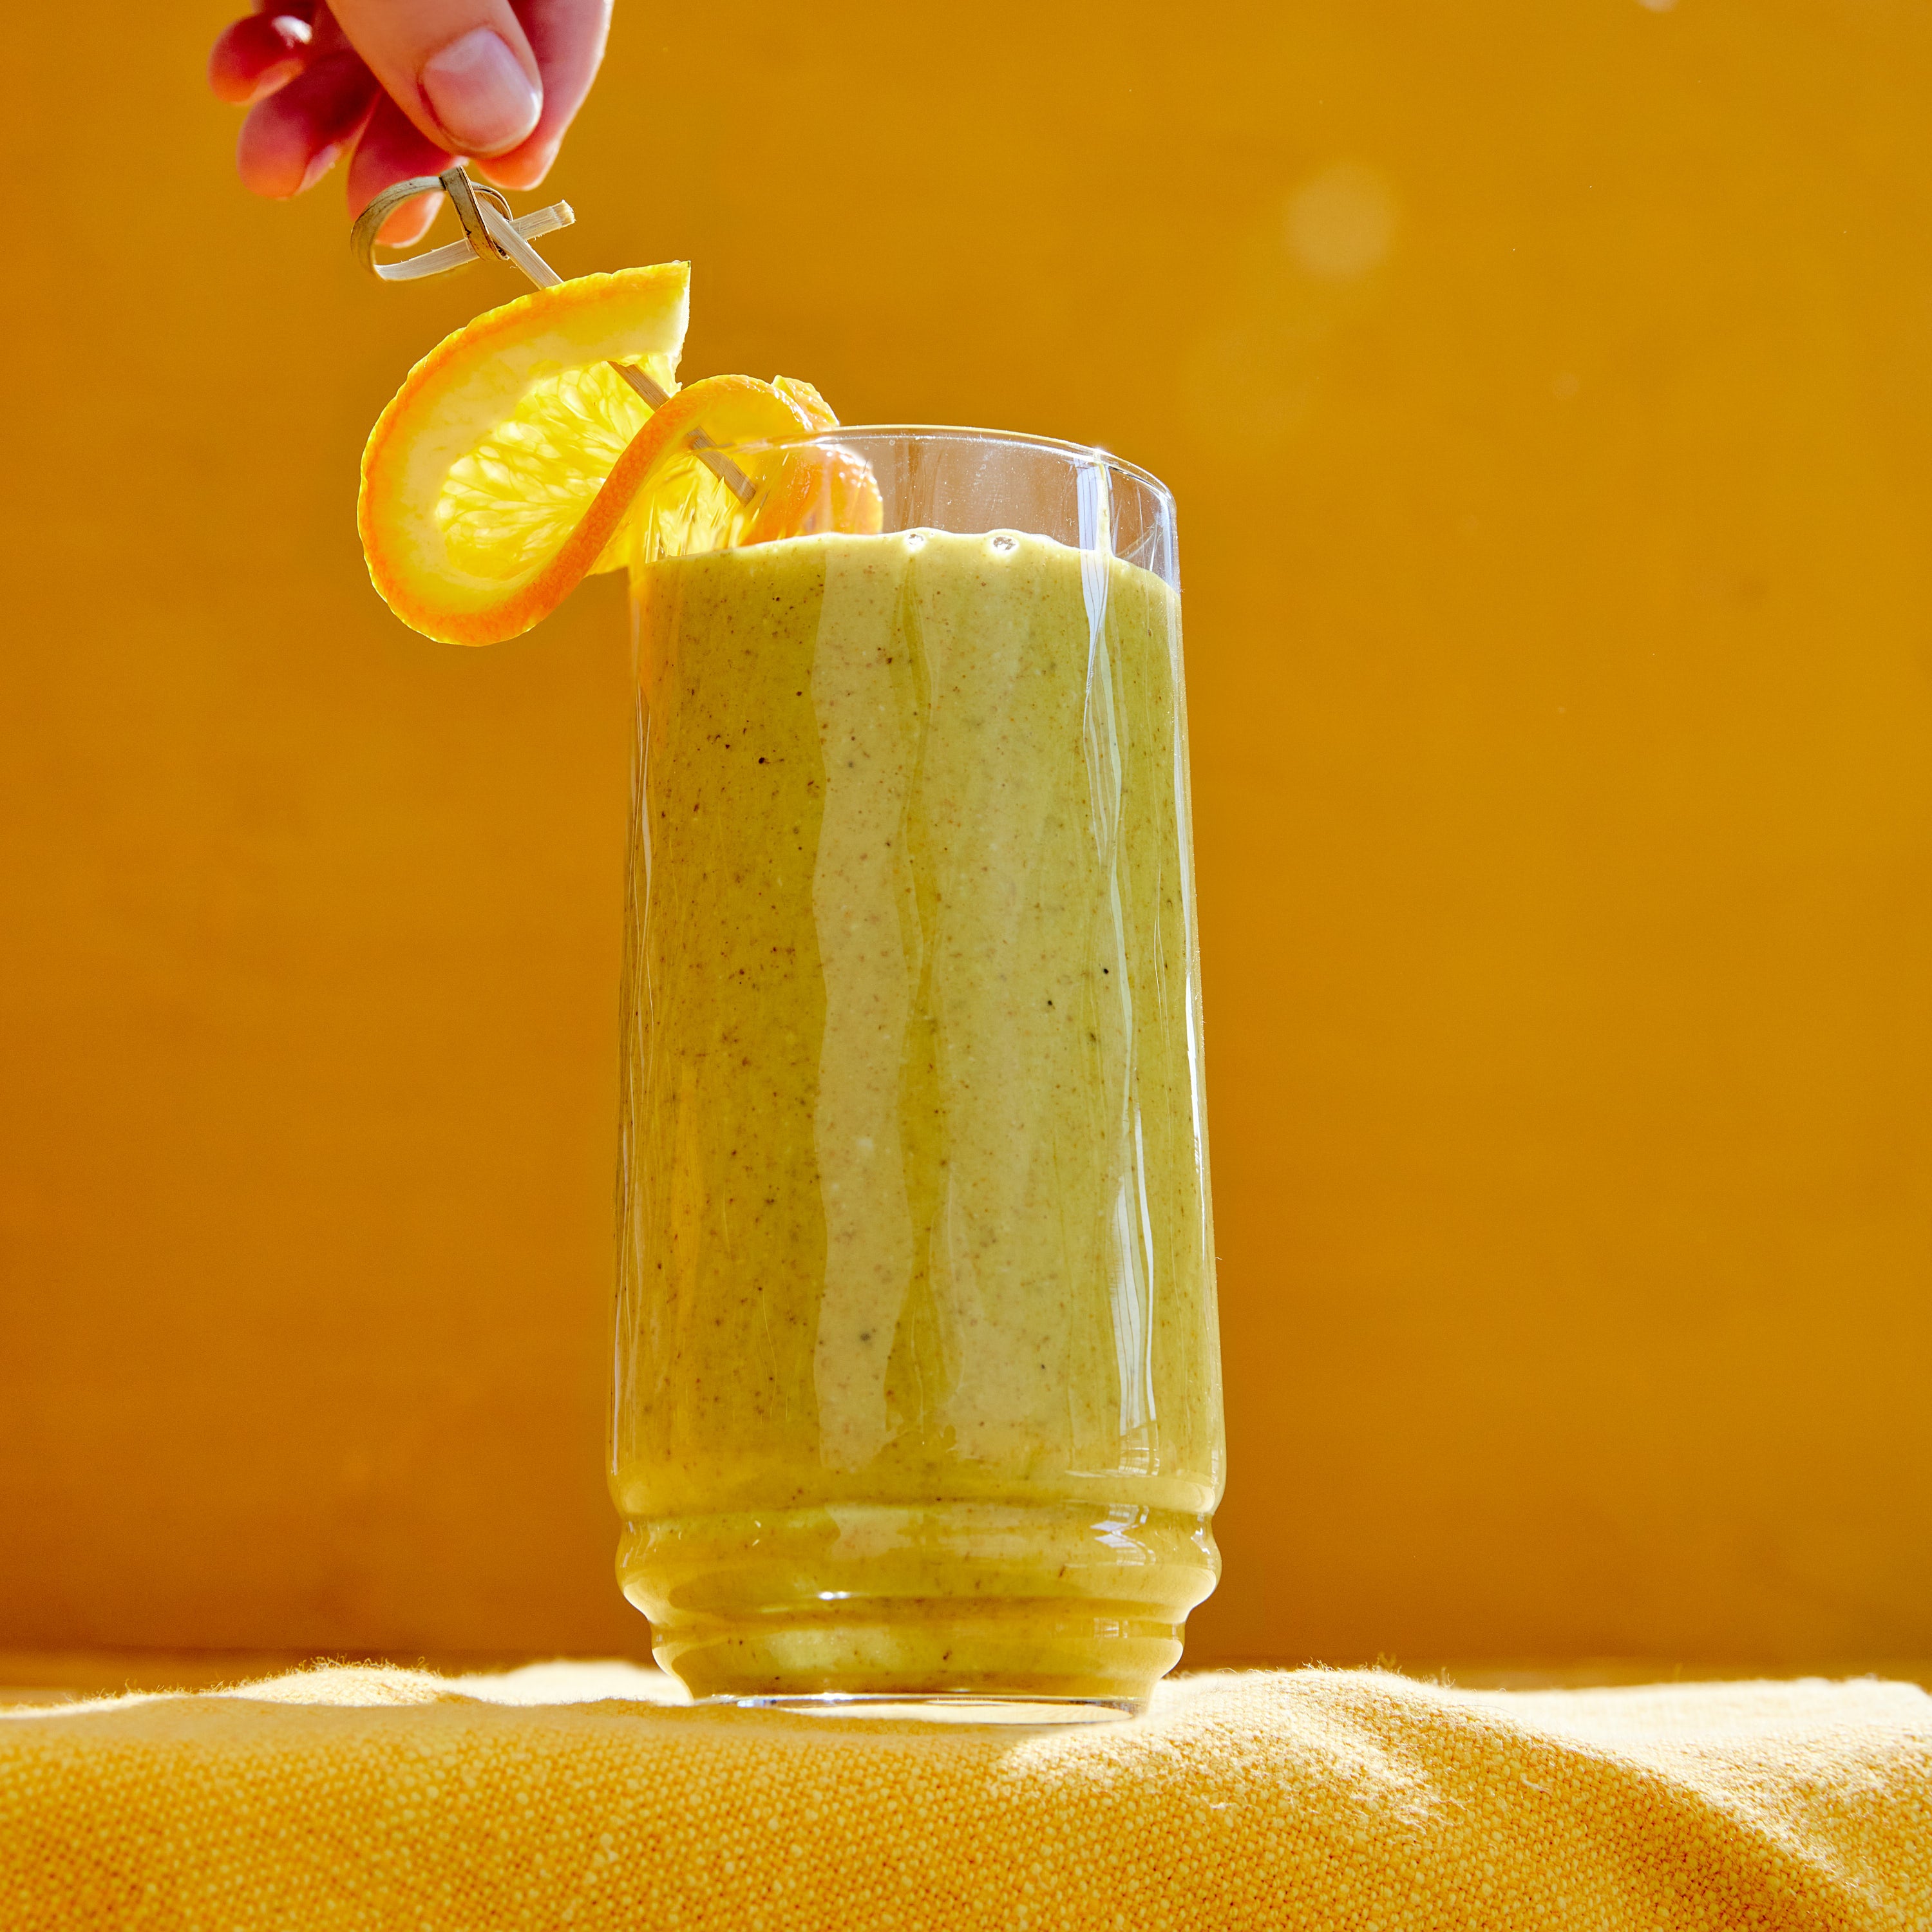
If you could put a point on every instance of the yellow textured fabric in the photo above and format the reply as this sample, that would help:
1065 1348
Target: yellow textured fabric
348 1798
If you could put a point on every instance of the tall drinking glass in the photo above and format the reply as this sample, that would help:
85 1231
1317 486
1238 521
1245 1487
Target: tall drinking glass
918 1388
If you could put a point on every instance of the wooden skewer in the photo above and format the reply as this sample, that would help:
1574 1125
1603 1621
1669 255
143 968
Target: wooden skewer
490 234
727 472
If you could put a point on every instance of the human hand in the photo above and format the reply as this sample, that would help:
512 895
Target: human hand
409 84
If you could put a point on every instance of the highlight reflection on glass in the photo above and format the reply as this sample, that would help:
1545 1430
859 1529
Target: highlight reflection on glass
918 1391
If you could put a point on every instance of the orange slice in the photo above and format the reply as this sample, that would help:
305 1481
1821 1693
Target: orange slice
661 499
819 488
516 460
684 498
500 439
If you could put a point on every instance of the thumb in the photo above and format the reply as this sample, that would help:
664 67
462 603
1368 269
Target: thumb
461 70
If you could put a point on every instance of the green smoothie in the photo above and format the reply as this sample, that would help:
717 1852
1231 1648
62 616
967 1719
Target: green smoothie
918 1387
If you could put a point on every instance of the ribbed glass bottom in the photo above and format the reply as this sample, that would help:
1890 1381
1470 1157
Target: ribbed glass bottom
945 1709
1048 1607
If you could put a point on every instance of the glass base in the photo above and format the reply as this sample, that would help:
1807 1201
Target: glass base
1036 1604
940 1707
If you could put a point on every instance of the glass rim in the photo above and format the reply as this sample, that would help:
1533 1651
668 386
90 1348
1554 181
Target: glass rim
1092 454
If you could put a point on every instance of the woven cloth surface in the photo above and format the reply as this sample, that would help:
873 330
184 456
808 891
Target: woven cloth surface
581 1797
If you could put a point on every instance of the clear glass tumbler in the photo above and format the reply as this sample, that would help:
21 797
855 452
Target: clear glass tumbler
918 1387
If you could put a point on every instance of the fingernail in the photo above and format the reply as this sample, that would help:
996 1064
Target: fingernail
319 164
272 78
480 94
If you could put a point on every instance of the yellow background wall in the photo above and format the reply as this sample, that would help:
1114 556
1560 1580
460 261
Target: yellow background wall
1548 394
